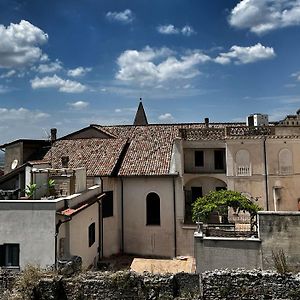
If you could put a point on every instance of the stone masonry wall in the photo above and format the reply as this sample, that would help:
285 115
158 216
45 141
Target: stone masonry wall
129 285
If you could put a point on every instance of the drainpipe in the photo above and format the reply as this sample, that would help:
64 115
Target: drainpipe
122 216
59 223
266 173
174 211
100 223
100 229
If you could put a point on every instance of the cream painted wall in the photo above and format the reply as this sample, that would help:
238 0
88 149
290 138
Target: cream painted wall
208 159
140 238
79 242
111 225
255 185
207 183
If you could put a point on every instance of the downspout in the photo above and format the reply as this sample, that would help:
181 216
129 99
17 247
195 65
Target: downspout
100 229
174 212
122 215
100 224
266 174
59 223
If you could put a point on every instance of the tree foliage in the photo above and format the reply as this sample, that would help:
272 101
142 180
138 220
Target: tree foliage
219 202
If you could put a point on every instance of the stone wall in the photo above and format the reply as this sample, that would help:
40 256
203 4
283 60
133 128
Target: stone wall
239 284
280 231
249 285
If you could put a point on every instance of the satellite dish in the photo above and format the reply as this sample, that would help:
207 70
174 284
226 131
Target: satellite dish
14 164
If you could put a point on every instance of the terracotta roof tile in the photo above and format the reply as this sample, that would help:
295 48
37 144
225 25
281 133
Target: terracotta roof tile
98 156
149 147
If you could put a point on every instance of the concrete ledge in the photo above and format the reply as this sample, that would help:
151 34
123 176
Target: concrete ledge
280 213
214 238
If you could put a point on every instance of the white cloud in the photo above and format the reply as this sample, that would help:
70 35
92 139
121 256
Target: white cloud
168 29
79 105
8 74
188 30
49 68
171 29
296 75
66 86
125 16
245 55
167 117
261 16
21 114
4 89
125 110
151 66
19 44
80 71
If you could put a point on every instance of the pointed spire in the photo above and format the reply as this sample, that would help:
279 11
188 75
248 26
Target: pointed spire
140 116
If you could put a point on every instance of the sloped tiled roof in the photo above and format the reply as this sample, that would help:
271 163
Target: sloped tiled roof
148 151
98 156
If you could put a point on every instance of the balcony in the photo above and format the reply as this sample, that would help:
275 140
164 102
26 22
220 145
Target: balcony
243 171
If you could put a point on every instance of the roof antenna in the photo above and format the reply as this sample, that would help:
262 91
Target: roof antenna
47 134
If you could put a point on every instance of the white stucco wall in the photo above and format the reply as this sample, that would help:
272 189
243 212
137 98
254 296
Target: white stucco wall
32 225
142 239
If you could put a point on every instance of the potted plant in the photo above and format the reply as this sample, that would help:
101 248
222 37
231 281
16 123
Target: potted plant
30 190
51 187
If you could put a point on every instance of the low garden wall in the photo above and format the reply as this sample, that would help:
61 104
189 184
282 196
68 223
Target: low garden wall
239 284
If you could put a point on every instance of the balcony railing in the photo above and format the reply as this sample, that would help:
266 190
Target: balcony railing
243 171
250 131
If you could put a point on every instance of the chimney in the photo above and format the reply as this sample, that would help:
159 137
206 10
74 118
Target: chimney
206 121
65 161
53 134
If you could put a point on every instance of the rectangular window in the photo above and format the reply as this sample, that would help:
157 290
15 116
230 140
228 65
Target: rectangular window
9 255
92 234
190 198
199 158
219 159
108 205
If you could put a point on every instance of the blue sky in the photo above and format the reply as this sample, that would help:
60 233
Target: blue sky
68 64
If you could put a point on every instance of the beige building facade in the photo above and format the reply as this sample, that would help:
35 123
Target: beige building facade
154 173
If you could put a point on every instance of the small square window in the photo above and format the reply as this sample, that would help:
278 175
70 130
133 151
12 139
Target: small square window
9 255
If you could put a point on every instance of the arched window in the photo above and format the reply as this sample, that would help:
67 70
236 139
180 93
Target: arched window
153 209
243 166
285 159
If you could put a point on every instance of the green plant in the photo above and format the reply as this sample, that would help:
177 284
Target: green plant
280 263
51 183
51 187
219 202
31 189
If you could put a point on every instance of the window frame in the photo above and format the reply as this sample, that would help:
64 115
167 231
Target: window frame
10 259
